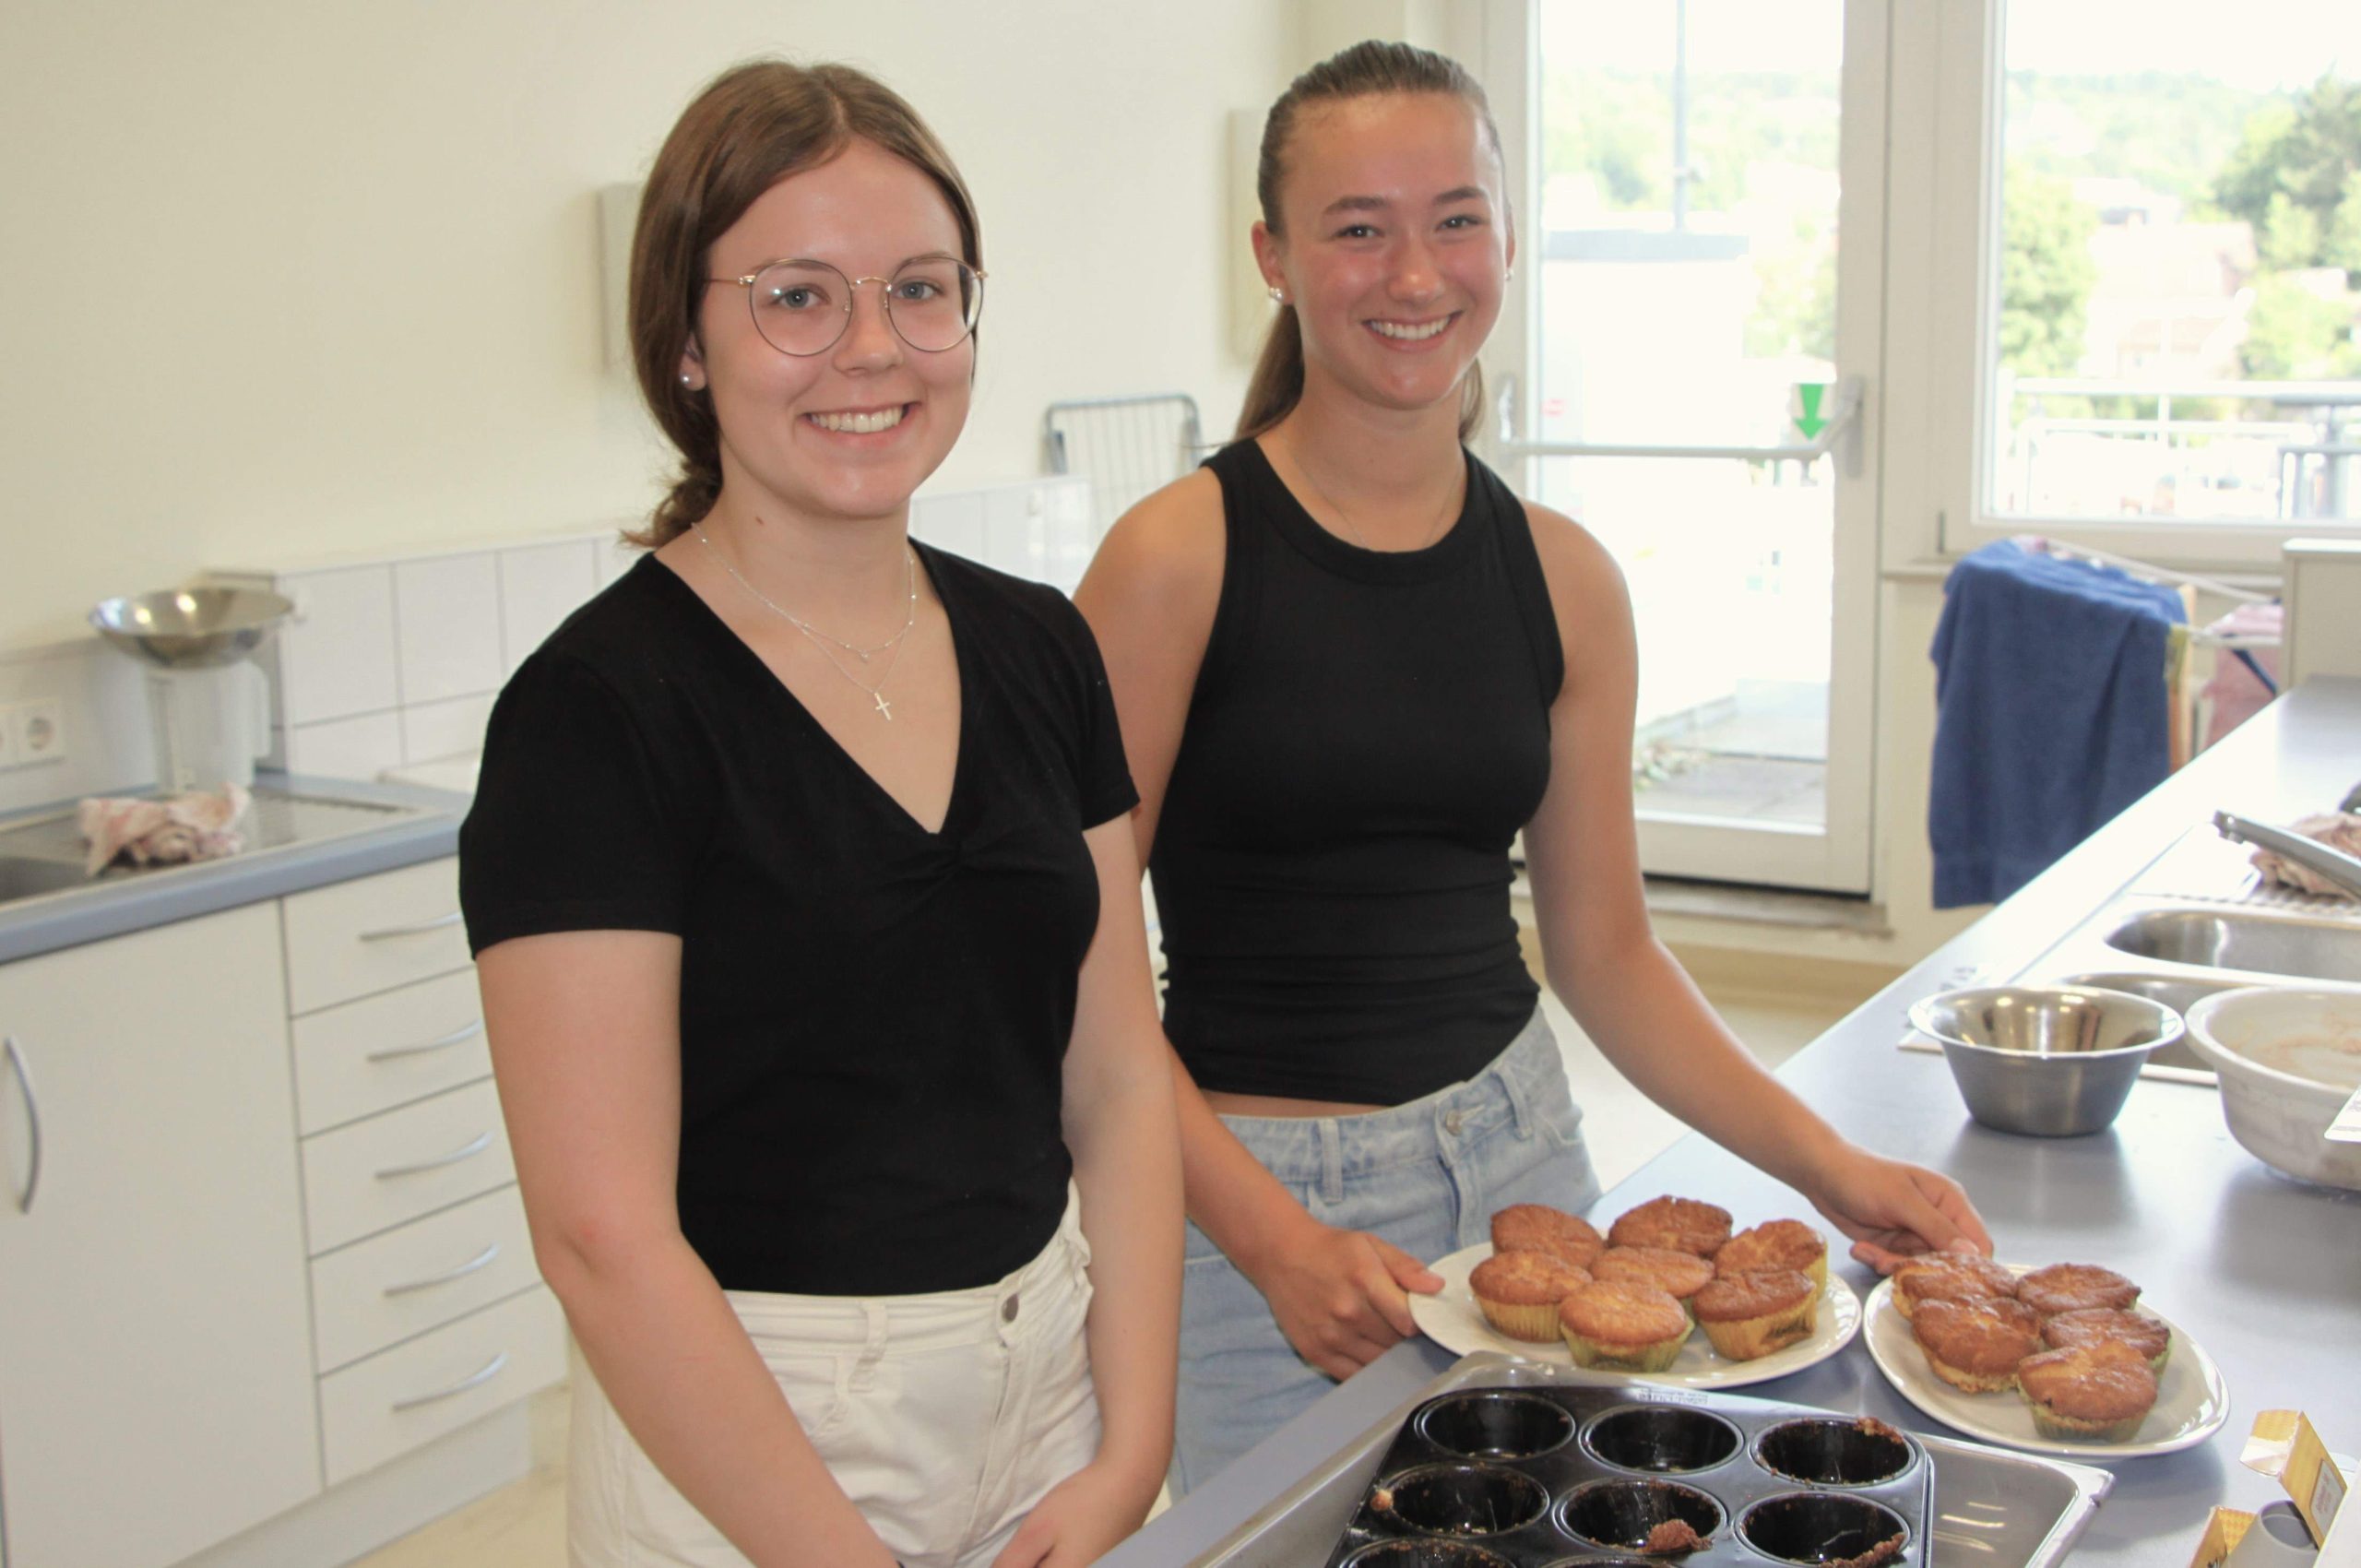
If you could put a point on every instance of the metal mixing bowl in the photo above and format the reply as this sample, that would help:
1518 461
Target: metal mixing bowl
2051 1062
195 628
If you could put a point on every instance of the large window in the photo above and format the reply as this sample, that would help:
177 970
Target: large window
1700 254
2180 264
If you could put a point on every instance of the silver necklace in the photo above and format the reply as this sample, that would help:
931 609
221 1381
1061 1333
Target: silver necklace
821 639
1344 518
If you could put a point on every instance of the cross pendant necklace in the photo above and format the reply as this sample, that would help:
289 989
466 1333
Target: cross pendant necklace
813 634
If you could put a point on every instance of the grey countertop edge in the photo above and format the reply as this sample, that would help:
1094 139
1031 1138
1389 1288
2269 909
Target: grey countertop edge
34 926
2298 755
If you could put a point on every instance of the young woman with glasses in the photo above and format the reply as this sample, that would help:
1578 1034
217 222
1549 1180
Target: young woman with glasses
807 920
1351 666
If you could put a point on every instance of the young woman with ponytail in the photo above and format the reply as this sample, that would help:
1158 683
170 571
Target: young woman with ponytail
1351 666
807 921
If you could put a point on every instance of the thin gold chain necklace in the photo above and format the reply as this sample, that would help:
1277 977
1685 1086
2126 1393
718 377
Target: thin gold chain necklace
821 639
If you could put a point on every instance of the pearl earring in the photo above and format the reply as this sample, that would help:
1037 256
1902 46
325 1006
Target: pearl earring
688 381
1279 295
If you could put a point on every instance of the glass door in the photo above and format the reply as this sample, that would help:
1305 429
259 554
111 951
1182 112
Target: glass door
1700 229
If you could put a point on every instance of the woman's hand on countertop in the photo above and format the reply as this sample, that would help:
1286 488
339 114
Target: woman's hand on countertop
1341 1297
1893 1210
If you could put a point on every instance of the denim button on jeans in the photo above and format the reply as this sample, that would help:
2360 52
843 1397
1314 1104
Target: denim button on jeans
1427 1176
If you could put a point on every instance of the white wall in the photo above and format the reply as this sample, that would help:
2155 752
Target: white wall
300 277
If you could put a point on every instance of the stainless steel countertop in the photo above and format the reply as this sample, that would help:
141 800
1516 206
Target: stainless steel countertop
304 833
2264 1273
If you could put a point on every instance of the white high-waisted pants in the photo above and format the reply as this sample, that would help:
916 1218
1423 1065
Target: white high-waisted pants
944 1418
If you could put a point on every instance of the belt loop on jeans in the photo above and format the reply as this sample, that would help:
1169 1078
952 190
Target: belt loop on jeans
873 1347
1332 1161
1520 1105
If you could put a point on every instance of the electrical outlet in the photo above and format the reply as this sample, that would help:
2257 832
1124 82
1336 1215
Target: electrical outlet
37 732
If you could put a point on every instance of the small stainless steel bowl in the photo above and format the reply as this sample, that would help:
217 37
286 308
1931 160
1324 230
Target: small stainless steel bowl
2053 1062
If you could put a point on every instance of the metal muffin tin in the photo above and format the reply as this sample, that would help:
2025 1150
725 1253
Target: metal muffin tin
1525 1476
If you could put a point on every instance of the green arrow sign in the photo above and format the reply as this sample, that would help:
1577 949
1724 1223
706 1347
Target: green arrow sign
1804 406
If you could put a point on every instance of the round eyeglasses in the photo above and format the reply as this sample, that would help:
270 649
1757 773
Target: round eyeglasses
803 307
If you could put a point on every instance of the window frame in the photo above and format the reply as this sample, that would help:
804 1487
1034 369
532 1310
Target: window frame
1958 57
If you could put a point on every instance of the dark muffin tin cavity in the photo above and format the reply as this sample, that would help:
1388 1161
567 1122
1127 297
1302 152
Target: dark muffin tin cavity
1574 1477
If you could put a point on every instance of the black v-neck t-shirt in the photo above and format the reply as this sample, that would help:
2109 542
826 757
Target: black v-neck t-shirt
872 1017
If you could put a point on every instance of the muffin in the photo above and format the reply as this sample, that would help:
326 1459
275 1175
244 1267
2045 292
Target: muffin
2089 1325
1753 1314
1519 1292
1538 1227
2075 1286
1677 1274
1777 1243
1682 1224
2100 1391
1975 1343
1950 1276
1623 1325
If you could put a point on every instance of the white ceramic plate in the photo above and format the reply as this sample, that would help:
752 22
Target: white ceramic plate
1453 1321
2191 1400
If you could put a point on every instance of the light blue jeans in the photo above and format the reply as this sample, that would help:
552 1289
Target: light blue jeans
1427 1176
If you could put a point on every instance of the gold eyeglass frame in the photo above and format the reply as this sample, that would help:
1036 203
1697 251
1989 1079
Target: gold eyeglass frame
852 292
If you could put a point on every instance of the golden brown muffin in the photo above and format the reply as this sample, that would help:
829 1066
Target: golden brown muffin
1677 1274
2100 1391
1949 1277
1622 1325
1538 1227
1682 1224
1751 1314
2075 1286
1519 1292
1777 1243
1975 1343
2089 1325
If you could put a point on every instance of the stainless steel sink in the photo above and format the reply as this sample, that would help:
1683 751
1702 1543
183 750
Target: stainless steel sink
2174 992
22 876
41 855
2259 944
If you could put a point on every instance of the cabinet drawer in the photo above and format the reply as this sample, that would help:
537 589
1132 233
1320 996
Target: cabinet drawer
372 934
374 1175
371 1055
398 1398
393 1286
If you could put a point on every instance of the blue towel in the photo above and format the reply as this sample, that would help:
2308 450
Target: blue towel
2050 713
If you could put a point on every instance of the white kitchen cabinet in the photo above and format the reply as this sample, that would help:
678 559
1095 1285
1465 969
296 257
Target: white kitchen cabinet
156 1387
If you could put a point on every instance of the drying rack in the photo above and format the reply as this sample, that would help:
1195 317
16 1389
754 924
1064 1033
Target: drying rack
1124 446
2172 577
2240 645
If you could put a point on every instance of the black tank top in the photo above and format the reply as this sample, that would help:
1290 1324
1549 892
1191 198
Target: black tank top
1369 731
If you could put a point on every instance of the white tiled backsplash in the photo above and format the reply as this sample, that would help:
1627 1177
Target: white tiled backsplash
395 662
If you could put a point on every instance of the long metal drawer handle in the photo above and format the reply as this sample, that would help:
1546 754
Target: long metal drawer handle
441 922
491 1370
32 1122
482 1260
481 1142
456 1037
